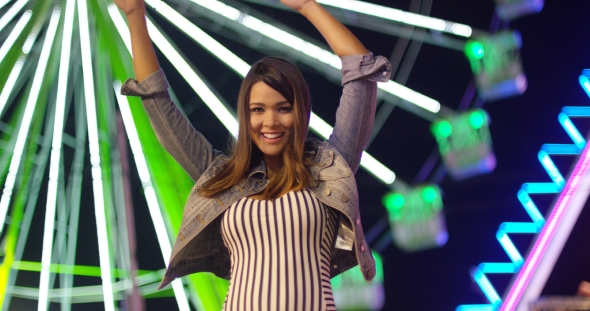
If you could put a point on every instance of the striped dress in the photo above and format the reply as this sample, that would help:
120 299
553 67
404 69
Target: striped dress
280 253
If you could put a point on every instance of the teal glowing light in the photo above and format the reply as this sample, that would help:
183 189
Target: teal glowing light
477 119
475 49
352 292
415 217
465 144
551 169
561 149
585 83
485 284
538 223
429 194
509 247
540 187
393 202
444 128
571 130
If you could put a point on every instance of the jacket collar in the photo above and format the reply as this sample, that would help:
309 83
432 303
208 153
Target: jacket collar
259 169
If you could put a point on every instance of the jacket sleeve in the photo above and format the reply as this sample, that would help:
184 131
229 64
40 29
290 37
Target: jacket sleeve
356 112
174 131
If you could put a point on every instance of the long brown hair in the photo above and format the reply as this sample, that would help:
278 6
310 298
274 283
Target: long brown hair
286 79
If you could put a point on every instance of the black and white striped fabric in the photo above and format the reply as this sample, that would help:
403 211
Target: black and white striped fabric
280 253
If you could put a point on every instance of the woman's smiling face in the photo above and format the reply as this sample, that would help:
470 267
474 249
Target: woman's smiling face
271 122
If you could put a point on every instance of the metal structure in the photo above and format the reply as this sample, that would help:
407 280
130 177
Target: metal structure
551 233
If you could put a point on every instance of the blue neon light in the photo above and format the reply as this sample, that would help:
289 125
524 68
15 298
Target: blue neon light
561 149
538 221
576 111
509 247
530 208
541 187
521 227
486 286
572 131
476 308
585 83
498 267
551 169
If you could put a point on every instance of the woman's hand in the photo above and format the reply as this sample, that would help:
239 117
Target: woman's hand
584 289
131 6
296 5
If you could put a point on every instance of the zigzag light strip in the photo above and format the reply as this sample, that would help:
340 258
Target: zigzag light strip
538 222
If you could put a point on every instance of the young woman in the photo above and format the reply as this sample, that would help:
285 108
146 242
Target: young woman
279 216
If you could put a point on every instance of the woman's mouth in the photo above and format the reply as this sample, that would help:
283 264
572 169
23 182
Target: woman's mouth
272 137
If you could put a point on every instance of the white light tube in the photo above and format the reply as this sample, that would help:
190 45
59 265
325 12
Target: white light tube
216 48
368 162
3 3
120 25
23 131
401 16
220 8
10 82
320 54
55 156
150 194
11 13
320 126
93 142
411 96
193 79
29 42
14 34
376 168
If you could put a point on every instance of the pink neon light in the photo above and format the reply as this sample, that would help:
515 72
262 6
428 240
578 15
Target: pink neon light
547 233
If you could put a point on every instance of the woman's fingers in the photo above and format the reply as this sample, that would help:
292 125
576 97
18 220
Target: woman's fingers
584 289
130 6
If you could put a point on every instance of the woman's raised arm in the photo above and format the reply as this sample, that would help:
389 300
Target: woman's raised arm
340 39
174 131
144 57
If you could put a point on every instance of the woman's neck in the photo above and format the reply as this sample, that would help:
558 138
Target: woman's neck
273 163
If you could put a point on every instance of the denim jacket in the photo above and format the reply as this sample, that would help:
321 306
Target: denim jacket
199 246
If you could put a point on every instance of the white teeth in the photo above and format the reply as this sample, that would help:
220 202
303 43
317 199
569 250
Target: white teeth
268 135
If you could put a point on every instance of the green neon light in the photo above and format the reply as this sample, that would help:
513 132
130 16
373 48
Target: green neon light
477 119
429 194
393 201
475 49
444 128
80 270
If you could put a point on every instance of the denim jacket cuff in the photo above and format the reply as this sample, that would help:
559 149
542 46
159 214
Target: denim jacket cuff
369 67
153 84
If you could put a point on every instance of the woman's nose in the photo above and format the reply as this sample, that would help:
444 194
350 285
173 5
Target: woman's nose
270 119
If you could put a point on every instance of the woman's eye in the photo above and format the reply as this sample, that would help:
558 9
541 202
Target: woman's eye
286 108
256 109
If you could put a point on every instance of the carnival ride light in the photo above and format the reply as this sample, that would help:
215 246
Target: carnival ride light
149 192
27 117
14 34
552 233
401 16
56 145
94 151
11 13
315 51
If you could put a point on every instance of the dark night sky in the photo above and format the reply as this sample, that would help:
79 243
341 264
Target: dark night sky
555 49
